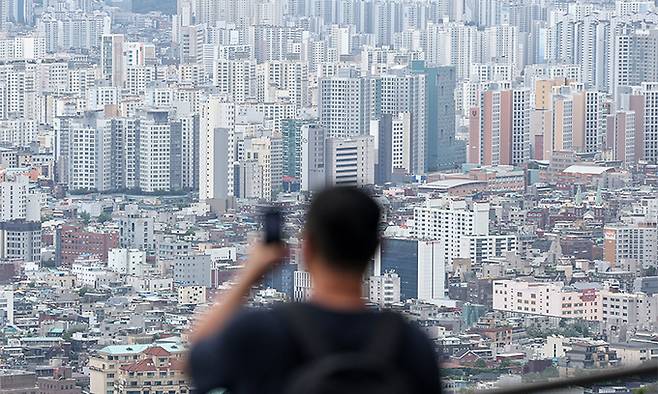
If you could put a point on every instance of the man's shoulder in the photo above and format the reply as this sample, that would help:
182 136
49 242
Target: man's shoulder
415 335
274 323
251 319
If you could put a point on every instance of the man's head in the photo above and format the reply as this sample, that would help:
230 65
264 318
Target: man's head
342 230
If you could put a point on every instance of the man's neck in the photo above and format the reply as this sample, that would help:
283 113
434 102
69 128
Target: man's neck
337 291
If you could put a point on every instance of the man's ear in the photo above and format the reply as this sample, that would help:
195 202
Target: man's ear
308 251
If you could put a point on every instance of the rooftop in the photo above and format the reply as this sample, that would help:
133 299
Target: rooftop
446 184
587 169
139 348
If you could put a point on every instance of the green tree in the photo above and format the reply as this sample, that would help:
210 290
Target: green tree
104 217
550 372
85 217
68 334
480 364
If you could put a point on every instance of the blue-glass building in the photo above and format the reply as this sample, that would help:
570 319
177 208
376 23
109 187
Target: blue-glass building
401 256
282 279
442 150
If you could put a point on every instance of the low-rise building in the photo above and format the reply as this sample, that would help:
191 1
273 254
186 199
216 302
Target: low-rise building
625 241
73 241
105 366
192 295
156 370
480 247
633 353
14 381
384 289
193 270
629 311
20 240
546 299
585 353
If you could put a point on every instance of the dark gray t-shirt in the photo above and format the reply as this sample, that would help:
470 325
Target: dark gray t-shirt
257 352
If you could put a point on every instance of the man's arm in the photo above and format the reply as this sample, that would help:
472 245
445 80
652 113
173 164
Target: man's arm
261 259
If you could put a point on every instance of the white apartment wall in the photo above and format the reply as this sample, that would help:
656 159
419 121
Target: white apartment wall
384 289
431 271
126 261
7 303
546 299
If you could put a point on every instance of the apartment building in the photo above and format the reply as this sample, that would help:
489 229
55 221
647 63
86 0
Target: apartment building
113 369
551 299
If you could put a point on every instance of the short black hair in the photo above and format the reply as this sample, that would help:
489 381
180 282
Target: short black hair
343 226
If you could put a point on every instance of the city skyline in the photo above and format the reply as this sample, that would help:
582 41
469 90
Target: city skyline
511 144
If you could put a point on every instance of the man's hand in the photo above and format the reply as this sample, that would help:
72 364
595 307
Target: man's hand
262 258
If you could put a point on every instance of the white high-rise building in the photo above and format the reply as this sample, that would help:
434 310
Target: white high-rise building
112 58
236 78
90 157
340 38
501 45
401 147
631 7
7 305
342 104
406 93
350 161
100 96
18 201
634 58
137 77
432 265
208 11
217 152
481 247
592 50
283 79
312 157
189 155
191 40
155 152
256 169
643 101
448 221
69 30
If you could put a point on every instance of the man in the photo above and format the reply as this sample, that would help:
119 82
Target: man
258 351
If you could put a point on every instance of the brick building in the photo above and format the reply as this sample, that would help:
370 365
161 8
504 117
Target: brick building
72 241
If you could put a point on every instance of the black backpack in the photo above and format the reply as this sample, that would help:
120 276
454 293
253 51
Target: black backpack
370 371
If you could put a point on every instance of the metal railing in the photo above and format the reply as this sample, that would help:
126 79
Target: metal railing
646 370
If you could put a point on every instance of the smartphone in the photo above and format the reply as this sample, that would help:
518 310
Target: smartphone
273 226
